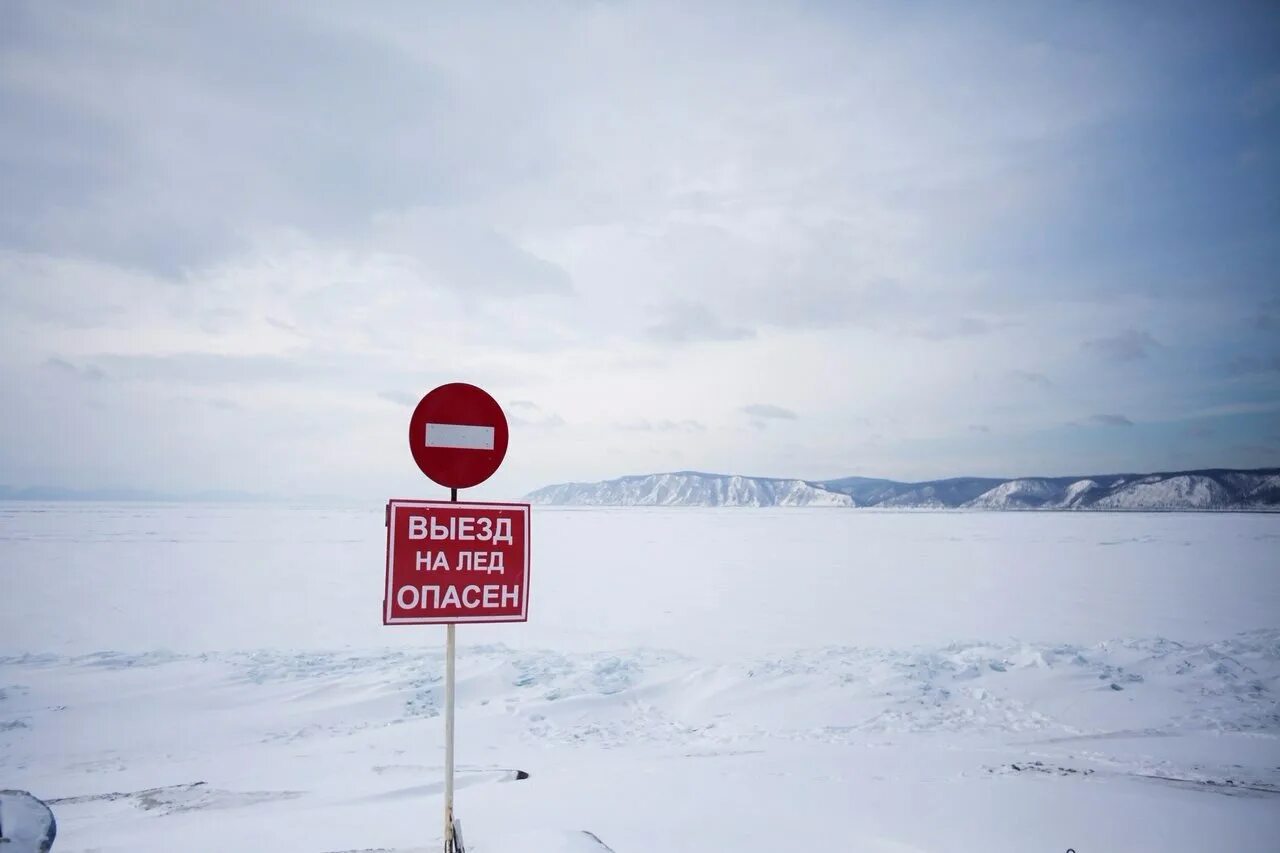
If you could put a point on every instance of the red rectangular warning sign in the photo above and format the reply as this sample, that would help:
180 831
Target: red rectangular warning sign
456 562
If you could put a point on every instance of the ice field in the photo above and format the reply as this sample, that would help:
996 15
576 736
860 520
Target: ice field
214 678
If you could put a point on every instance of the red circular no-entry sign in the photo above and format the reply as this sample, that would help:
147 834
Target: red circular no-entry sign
458 435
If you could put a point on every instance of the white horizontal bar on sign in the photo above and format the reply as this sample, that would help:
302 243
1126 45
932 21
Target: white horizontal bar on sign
460 436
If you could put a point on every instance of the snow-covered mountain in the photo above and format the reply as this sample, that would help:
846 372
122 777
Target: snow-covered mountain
1184 490
690 488
1214 489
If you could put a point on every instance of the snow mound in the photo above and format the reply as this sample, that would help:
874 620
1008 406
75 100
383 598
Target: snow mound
26 823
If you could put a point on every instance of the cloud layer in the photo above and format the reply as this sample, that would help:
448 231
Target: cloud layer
242 241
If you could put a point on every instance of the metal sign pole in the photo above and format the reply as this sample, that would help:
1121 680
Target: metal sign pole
448 742
458 437
450 647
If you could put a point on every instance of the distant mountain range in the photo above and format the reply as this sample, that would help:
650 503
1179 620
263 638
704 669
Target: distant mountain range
1210 489
690 488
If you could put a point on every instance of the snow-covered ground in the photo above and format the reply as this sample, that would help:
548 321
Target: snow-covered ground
191 678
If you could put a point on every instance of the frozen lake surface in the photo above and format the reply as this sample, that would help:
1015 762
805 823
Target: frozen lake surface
184 677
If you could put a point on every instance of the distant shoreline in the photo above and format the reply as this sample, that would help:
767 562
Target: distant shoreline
1201 490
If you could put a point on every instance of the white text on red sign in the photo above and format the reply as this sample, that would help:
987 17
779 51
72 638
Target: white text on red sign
460 528
456 562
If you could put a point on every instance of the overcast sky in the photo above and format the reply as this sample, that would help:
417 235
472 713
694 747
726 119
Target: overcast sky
238 242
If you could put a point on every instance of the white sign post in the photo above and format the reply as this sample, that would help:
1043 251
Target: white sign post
456 562
450 845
